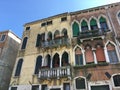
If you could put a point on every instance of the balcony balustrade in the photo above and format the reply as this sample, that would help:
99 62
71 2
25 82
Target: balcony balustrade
57 73
56 42
92 33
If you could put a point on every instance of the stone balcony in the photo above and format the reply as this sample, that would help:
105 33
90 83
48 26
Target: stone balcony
55 43
92 33
54 73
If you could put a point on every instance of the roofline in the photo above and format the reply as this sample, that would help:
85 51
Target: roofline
93 8
7 31
48 18
71 13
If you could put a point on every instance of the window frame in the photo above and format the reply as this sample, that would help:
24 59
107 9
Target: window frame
16 69
13 87
2 38
24 43
75 83
113 81
36 67
35 85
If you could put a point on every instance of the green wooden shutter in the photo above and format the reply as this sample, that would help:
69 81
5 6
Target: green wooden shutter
75 29
102 20
84 23
93 22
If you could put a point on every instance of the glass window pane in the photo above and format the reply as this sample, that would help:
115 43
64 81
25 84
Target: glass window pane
36 87
3 37
66 86
116 80
80 83
13 88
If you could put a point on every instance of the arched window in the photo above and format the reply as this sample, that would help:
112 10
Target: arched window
65 60
64 32
57 37
103 24
89 54
93 24
47 61
38 40
56 61
75 29
116 80
38 64
49 36
78 56
100 53
24 43
56 34
84 25
80 83
112 53
18 68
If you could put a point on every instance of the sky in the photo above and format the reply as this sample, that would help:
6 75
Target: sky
15 13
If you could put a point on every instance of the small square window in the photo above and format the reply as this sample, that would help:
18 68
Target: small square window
43 24
27 28
49 22
35 87
13 88
63 19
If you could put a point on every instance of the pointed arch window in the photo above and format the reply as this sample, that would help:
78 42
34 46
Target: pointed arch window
47 61
89 54
56 61
116 80
78 56
80 83
112 53
93 24
18 68
100 53
103 24
49 36
57 37
65 60
38 64
84 25
75 29
24 43
64 32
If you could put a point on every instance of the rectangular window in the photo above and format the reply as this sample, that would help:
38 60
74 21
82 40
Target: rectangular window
3 37
49 22
13 88
79 59
66 86
44 87
102 87
43 24
27 28
35 87
112 56
63 19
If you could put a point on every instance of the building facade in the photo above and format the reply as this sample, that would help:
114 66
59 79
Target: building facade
9 44
71 51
